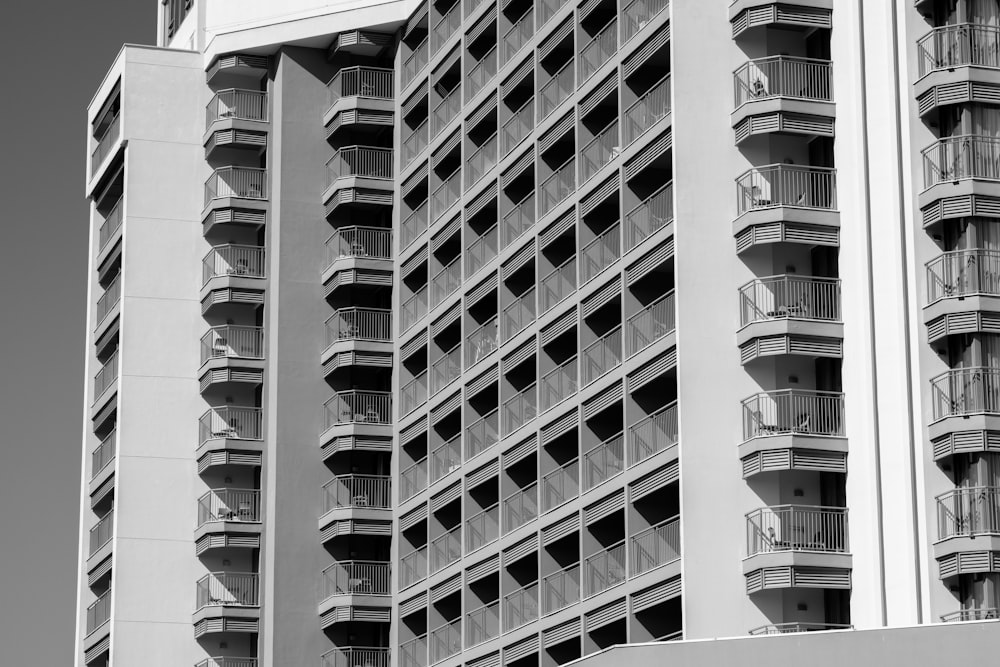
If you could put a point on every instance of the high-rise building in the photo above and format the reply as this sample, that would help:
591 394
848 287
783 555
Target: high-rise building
499 332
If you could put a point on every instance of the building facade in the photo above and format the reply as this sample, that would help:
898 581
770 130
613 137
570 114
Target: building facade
501 332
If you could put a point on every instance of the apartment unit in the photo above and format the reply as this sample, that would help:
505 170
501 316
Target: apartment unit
502 332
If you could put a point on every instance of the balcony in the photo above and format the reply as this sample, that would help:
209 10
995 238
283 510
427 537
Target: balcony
413 309
359 407
234 261
357 492
445 640
647 111
482 342
517 128
357 242
413 226
103 455
558 285
106 377
446 281
446 27
232 342
519 410
237 104
99 613
964 392
559 185
601 357
971 614
482 624
518 314
604 461
370 82
655 546
413 480
356 577
228 589
598 50
961 158
481 74
561 589
558 384
653 434
219 505
446 194
787 628
446 110
359 324
797 528
518 35
650 324
600 151
520 507
520 607
482 528
413 394
108 300
105 143
963 273
236 182
547 9
518 220
962 45
481 251
560 485
603 569
356 656
793 412
446 549
968 512
779 185
415 62
637 14
112 223
446 369
783 94
413 567
482 434
230 423
482 160
556 90
600 253
790 315
415 143
102 532
446 458
359 162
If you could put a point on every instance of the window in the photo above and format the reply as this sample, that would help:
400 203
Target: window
176 10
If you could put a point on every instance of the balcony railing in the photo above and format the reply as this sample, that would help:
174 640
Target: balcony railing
962 273
558 384
112 223
604 461
561 485
413 480
446 548
415 62
363 161
361 82
603 569
969 511
793 411
446 282
359 407
245 182
561 589
978 614
446 194
520 607
446 110
482 528
446 27
518 220
229 505
958 158
966 391
547 9
601 150
783 76
104 454
481 73
638 13
105 143
237 104
356 656
481 251
228 662
558 285
601 253
556 90
655 546
101 533
950 46
413 309
481 161
231 341
647 111
652 215
229 589
107 301
520 410
559 185
518 35
787 628
230 422
243 261
797 528
653 434
482 342
99 612
650 324
519 125
357 577
482 624
599 49
482 434
107 376
373 324
413 567
518 314
414 224
790 297
520 507
413 394
601 356
446 640
446 369
415 142
787 185
446 457
357 491
360 242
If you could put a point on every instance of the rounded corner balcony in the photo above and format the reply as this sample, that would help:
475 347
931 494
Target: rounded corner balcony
358 254
792 429
360 97
363 497
228 518
235 189
233 274
804 15
353 656
356 583
963 293
236 118
359 174
358 337
790 315
957 64
962 166
783 95
227 602
965 400
786 203
357 412
230 434
238 66
232 354
968 530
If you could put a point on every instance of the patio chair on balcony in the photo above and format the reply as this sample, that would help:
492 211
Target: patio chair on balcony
348 332
372 416
762 427
227 431
359 500
753 195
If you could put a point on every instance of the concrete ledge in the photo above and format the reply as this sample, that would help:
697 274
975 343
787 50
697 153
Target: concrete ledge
792 441
790 326
793 558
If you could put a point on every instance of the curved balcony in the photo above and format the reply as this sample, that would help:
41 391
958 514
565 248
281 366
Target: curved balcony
228 662
367 88
794 422
357 331
787 628
785 95
971 614
231 355
227 602
356 496
235 188
235 118
98 617
346 581
233 274
963 400
753 15
228 518
357 412
355 168
357 656
961 166
792 197
963 292
957 64
968 523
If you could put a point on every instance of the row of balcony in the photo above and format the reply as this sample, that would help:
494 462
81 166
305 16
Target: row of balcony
237 104
797 528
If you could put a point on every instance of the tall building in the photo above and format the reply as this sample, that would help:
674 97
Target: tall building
477 332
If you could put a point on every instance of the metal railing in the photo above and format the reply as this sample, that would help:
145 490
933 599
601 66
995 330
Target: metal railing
481 251
359 407
599 49
652 215
446 110
518 35
958 45
482 528
446 194
973 510
414 224
601 252
108 139
357 491
374 82
484 159
971 614
446 27
965 391
650 324
793 411
547 9
561 589
558 384
445 640
520 409
103 454
800 626
446 457
230 589
233 342
228 662
413 480
518 314
480 74
244 182
482 342
413 394
415 142
357 577
557 285
560 485
446 281
963 272
235 103
482 624
446 548
601 150
603 569
470 6
520 507
783 76
790 297
797 528
604 461
413 567
356 656
636 14
657 545
230 422
243 261
229 505
519 125
601 356
652 434
107 301
645 112
107 376
374 324
518 220
482 434
413 309
99 612
787 185
112 223
102 532
358 241
520 607
364 161
958 158
557 89
446 369
559 185
415 62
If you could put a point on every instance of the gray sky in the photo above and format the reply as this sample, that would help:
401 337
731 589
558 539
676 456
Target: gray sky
56 53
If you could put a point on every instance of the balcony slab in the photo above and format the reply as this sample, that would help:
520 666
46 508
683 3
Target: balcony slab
949 425
740 6
790 326
959 314
245 528
220 204
353 513
355 103
966 544
354 600
355 430
357 183
792 441
794 558
784 106
204 617
954 78
960 188
347 345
